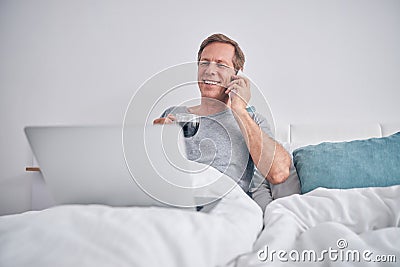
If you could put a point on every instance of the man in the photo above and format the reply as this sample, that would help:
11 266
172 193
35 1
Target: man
230 137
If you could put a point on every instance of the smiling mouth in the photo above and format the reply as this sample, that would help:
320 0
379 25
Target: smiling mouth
211 82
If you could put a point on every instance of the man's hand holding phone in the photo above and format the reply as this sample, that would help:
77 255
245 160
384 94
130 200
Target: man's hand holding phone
239 92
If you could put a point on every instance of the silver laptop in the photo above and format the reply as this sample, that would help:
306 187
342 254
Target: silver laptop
137 166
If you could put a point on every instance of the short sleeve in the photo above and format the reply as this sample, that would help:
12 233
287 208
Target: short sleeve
166 112
263 123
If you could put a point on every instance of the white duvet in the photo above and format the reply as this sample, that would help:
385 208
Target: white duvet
344 223
356 227
95 235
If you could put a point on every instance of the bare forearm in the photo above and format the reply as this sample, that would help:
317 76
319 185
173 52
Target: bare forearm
270 157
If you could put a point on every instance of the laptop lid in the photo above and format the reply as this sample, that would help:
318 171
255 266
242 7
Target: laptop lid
92 165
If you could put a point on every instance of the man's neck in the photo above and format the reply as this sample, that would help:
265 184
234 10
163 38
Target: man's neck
209 106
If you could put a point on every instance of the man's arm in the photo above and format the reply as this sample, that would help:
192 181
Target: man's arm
271 159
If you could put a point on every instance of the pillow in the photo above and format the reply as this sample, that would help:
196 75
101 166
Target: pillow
373 162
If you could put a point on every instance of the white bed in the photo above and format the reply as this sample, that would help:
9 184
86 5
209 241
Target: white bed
234 233
331 227
95 235
359 227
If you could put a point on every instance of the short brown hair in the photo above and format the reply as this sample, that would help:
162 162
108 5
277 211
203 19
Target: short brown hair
238 58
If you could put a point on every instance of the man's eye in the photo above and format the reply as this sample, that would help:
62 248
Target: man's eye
204 63
222 66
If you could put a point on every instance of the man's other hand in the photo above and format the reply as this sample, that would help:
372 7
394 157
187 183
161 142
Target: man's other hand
167 120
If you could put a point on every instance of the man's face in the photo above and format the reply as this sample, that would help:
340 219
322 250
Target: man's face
215 70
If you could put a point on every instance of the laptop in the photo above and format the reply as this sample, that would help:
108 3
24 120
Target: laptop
111 165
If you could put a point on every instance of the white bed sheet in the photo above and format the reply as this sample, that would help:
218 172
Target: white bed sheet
364 220
95 235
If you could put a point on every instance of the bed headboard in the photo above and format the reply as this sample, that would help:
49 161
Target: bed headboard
309 134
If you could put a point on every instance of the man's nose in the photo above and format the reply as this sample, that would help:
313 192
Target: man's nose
211 69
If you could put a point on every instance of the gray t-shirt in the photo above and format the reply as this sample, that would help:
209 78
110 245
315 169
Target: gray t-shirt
220 143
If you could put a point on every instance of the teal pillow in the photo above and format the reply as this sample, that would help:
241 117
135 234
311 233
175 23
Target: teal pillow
373 162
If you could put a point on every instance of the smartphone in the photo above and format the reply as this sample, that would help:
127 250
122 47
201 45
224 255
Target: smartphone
240 73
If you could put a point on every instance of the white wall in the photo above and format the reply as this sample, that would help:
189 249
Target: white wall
80 61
